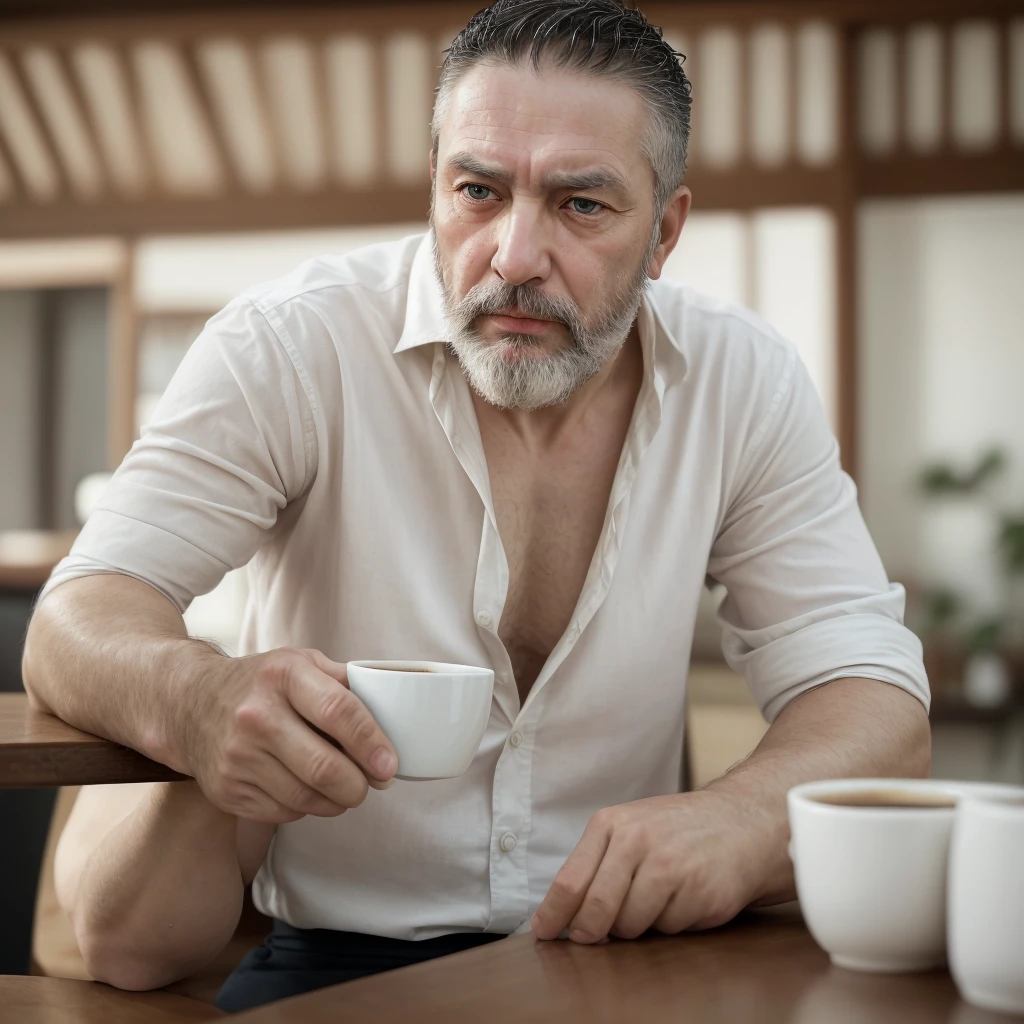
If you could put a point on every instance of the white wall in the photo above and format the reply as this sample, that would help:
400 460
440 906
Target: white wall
199 272
778 262
942 374
19 409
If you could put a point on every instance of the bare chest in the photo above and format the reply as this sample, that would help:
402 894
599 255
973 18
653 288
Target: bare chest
550 510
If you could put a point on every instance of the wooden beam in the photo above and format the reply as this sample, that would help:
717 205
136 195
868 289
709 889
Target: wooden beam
42 125
324 111
749 188
229 181
742 189
261 77
193 17
1005 95
85 115
844 209
128 74
19 190
947 173
122 362
166 215
946 87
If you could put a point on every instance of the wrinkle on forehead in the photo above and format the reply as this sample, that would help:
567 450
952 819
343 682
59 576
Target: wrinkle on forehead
503 106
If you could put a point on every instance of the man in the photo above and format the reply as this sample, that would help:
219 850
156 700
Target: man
507 443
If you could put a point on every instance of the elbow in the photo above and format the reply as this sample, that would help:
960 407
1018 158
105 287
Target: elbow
111 960
33 656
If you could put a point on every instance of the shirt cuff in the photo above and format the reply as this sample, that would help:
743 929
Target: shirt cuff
113 543
858 645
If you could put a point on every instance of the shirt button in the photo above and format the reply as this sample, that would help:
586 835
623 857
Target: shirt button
508 842
484 618
516 738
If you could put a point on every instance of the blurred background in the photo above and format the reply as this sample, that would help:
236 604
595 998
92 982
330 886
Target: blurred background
858 178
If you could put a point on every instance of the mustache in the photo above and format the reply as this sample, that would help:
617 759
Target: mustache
517 300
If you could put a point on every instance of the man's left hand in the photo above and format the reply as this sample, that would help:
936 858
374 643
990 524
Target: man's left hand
678 862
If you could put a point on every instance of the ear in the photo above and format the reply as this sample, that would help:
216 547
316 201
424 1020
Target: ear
433 169
676 211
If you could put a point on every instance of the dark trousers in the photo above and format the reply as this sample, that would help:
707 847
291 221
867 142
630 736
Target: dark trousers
296 960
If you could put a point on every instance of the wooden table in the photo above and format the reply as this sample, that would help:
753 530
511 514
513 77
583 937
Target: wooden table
32 1000
765 968
37 749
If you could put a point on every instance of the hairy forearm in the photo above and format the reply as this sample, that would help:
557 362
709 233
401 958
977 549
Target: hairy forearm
112 656
161 894
845 729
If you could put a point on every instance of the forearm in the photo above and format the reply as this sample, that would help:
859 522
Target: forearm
845 729
112 656
161 894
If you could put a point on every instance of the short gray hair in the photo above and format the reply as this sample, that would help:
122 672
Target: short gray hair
598 37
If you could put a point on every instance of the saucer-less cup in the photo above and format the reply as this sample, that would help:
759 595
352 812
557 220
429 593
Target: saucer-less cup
986 902
434 714
872 880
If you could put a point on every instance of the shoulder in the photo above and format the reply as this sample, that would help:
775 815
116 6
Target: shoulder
327 305
360 275
722 341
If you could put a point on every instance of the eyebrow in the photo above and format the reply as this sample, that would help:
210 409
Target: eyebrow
572 180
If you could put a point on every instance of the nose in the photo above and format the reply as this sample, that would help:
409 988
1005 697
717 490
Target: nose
522 255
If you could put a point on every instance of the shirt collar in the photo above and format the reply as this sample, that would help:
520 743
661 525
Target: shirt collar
424 306
424 309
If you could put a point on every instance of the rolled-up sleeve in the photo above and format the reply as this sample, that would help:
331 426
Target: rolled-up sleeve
807 598
230 444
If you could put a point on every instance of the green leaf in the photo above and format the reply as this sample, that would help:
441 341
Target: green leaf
985 635
1011 542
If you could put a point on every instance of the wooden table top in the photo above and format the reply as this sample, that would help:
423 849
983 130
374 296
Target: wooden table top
28 556
765 968
37 749
32 1000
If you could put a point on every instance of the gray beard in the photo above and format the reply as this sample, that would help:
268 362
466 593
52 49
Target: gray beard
535 382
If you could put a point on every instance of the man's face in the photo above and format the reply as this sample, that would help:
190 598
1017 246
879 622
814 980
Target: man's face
543 214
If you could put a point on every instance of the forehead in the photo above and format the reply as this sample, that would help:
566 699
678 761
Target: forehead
559 118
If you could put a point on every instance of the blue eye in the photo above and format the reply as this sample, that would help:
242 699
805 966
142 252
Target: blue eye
592 205
478 193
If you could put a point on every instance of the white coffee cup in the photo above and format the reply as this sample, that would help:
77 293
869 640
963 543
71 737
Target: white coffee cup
986 902
434 714
872 880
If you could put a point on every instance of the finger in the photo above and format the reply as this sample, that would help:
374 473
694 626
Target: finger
253 804
570 885
315 762
646 900
687 911
285 788
335 669
375 783
341 714
600 907
678 914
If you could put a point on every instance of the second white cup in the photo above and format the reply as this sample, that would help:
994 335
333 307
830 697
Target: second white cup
435 714
986 902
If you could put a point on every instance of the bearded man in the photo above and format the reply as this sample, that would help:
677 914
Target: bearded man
510 443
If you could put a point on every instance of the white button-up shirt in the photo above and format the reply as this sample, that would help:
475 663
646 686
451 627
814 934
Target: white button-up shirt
320 427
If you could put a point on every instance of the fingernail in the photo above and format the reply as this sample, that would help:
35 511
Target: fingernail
383 762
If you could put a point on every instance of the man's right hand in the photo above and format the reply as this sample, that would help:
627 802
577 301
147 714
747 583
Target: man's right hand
249 742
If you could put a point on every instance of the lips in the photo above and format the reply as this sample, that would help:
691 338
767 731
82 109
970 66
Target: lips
519 324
